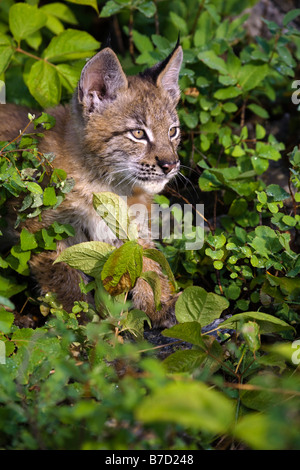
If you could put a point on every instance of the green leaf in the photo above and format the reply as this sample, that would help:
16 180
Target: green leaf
33 187
158 256
114 211
179 23
46 120
6 320
69 74
49 198
44 84
142 42
61 11
189 331
250 76
111 8
134 322
91 3
191 404
122 268
195 304
6 52
260 131
69 45
28 241
147 8
227 93
277 192
6 302
256 109
184 361
213 61
268 323
88 257
10 286
24 20
290 16
267 151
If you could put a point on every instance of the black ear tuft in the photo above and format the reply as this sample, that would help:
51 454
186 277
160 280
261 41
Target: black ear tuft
166 72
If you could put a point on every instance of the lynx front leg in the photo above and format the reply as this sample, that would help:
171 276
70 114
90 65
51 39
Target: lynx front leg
143 299
58 278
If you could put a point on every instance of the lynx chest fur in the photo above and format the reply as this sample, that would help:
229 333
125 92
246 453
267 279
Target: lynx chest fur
118 134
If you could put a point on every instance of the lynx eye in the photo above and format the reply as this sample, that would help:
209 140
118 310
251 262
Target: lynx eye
173 132
139 134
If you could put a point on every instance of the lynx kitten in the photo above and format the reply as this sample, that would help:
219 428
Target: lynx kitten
119 134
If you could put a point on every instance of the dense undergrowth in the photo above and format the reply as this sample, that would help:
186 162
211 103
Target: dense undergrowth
64 385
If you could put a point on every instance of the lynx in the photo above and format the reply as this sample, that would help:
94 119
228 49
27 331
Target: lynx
119 134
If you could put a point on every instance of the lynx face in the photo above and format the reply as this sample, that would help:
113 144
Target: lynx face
132 128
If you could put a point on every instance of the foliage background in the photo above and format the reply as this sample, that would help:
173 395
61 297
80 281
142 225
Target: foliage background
69 386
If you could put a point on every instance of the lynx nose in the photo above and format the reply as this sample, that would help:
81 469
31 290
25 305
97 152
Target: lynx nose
166 166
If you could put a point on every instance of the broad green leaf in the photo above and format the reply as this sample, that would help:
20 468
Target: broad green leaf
33 187
6 52
227 93
268 323
69 45
61 11
153 279
191 404
91 3
148 8
189 331
10 286
289 286
290 16
250 76
142 42
49 198
25 20
195 304
69 74
44 83
134 322
6 320
88 257
277 192
122 268
256 109
267 151
110 8
179 23
260 165
114 211
158 256
257 430
184 361
27 240
46 120
260 131
6 302
213 61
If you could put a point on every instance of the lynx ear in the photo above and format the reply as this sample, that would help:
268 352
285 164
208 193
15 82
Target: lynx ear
101 79
165 74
